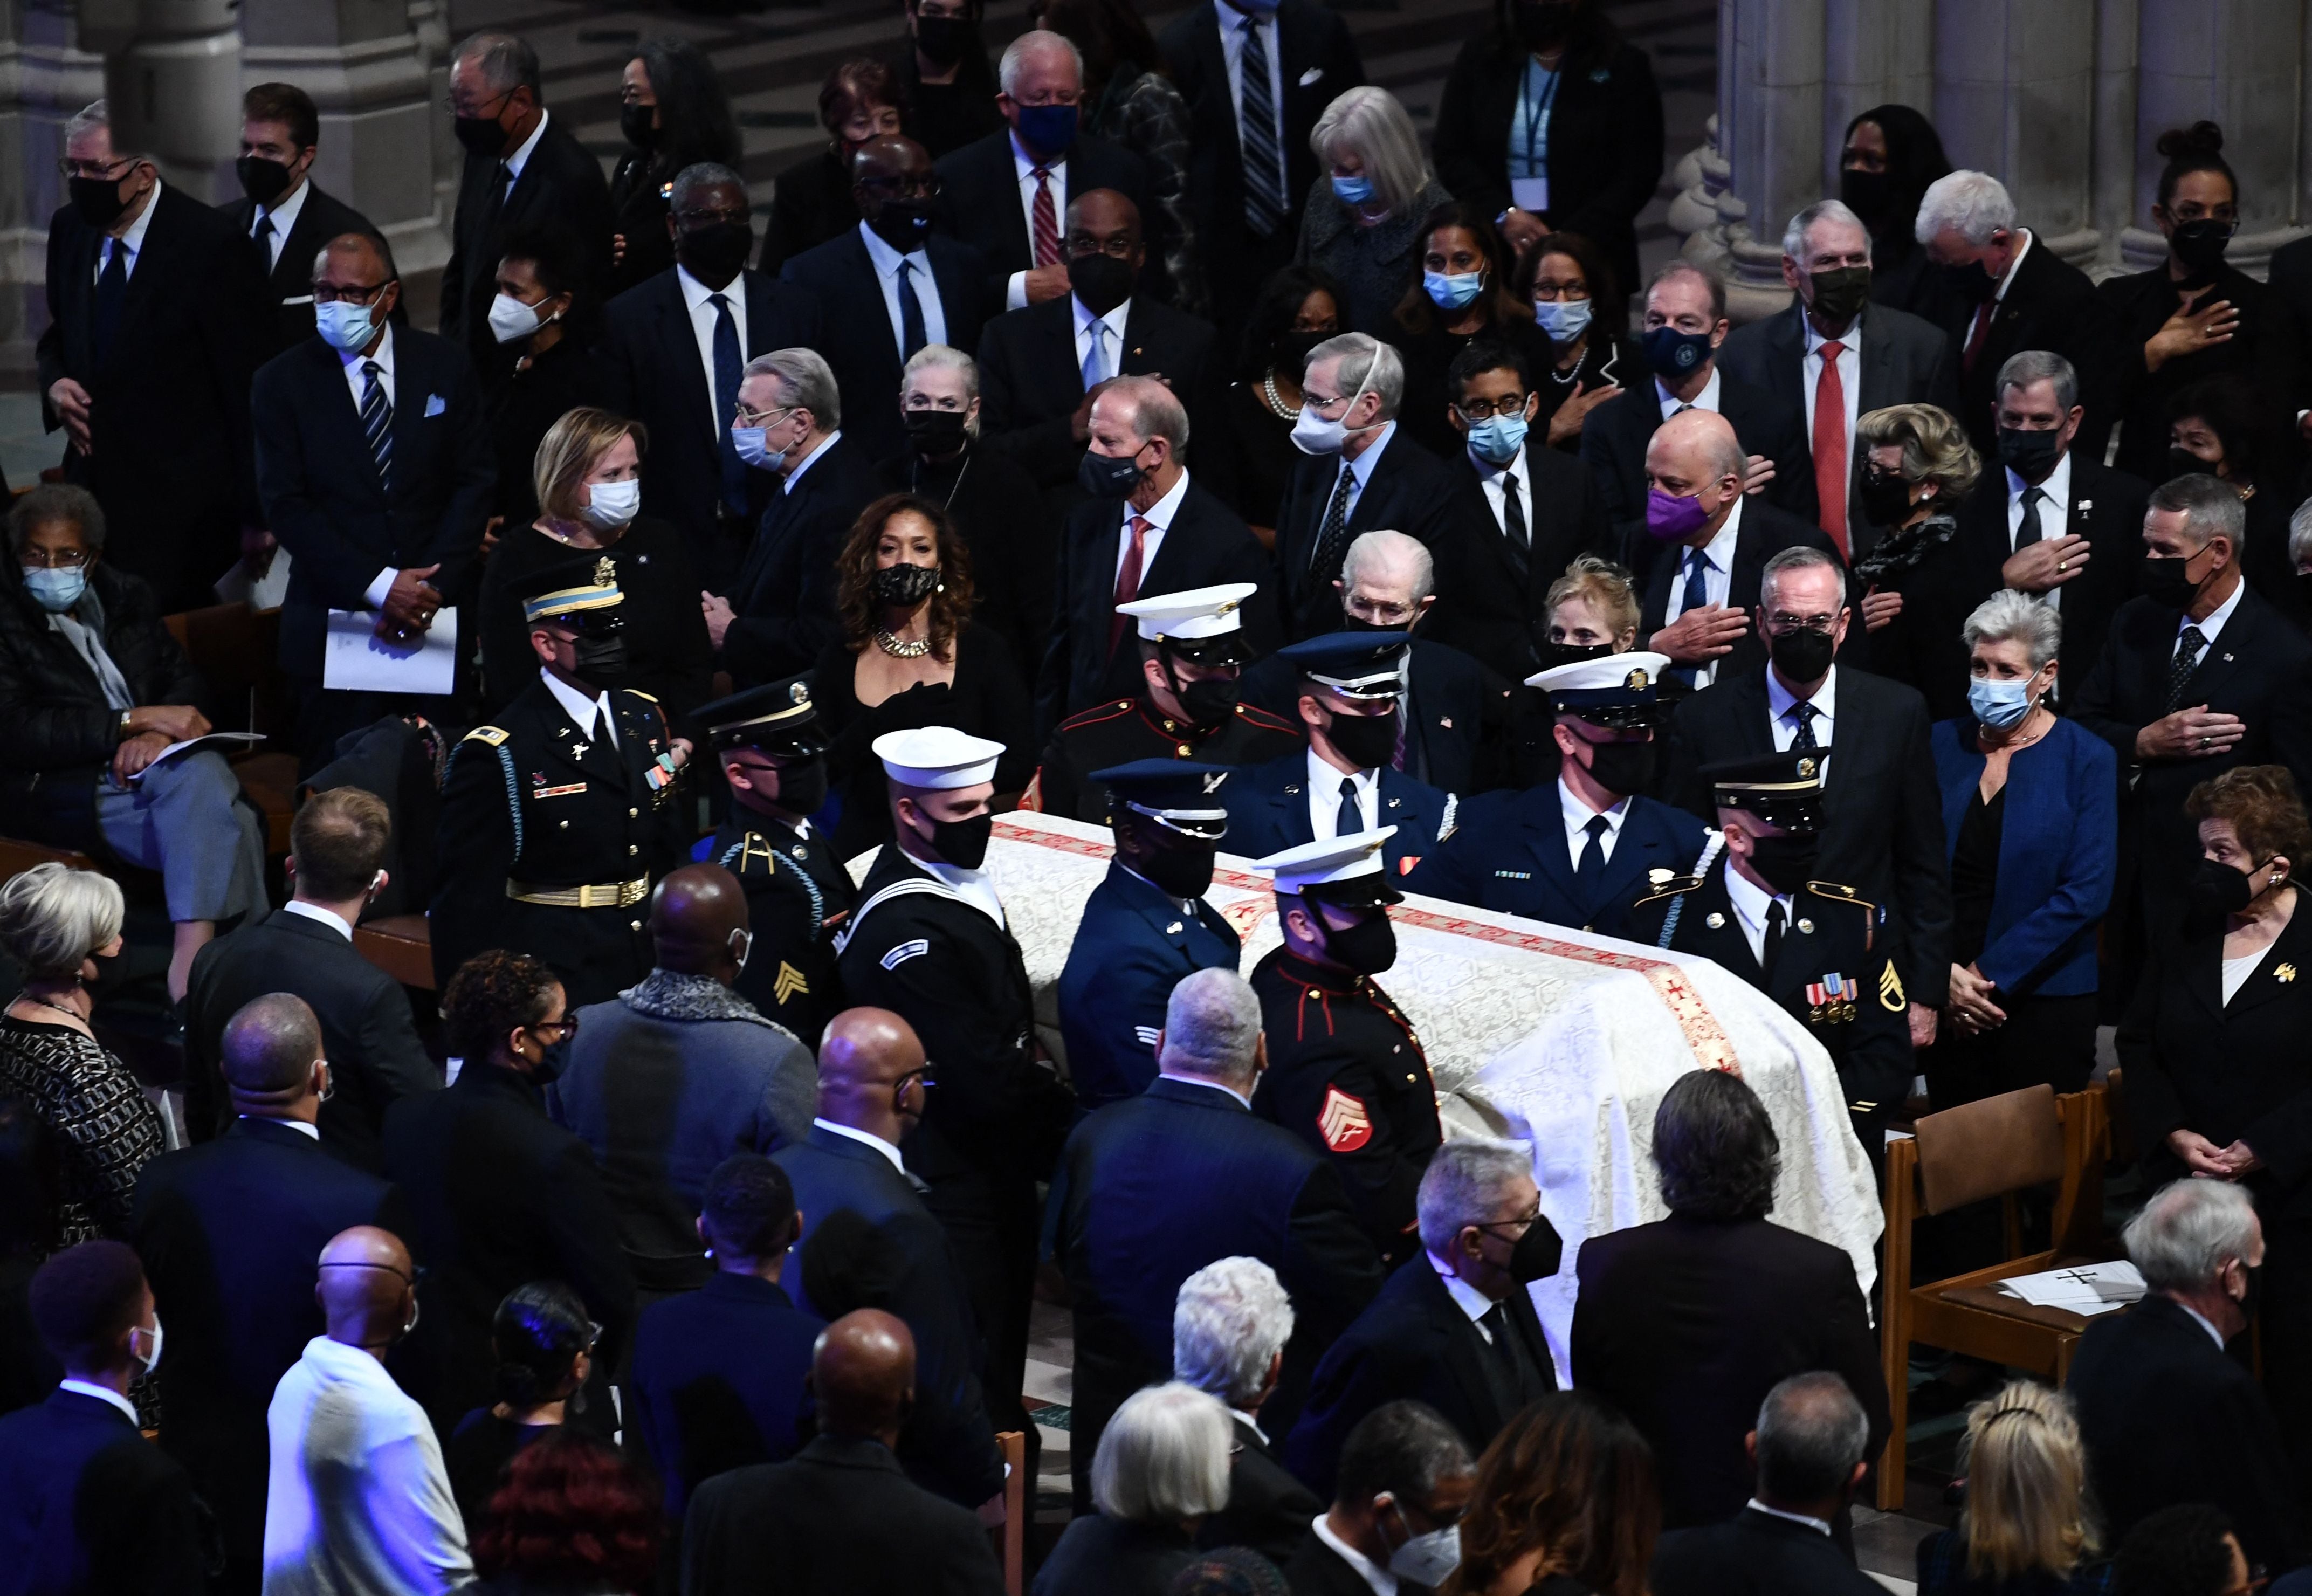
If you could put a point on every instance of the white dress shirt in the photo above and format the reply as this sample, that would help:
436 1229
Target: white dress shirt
1578 815
862 1137
1472 1302
1489 480
314 911
2206 1323
303 1127
1717 581
1820 1526
1111 335
1383 1583
887 272
975 887
105 1393
1214 1085
1361 470
1779 699
1850 376
2214 625
581 709
1159 517
1232 25
795 471
1325 797
133 241
1707 399
521 157
1023 165
357 382
284 216
1999 294
2055 514
1750 912
695 294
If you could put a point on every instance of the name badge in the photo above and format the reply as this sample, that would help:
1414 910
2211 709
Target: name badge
1529 194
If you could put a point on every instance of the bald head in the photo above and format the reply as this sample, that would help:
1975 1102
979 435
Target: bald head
863 1058
1695 455
697 915
367 1289
888 159
269 1049
863 1373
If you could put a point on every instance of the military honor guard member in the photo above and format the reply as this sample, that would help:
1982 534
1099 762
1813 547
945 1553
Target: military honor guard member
1192 652
1346 780
557 819
774 756
929 942
1345 1072
1812 946
1146 926
1579 850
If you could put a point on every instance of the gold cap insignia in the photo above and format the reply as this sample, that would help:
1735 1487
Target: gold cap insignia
1806 769
605 575
1637 680
799 692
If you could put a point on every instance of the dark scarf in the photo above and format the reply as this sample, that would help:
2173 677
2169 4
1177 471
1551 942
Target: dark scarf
1901 552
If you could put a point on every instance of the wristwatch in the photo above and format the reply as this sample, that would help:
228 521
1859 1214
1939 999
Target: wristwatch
124 723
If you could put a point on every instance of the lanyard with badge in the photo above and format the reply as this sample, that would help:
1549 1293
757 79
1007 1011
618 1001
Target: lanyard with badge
1531 193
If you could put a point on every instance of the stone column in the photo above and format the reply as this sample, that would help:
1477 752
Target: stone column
2014 95
49 78
1770 116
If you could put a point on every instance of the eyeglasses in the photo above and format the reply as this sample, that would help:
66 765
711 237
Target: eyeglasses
923 1074
1486 409
116 169
450 104
59 559
748 417
926 186
695 218
354 294
1118 248
568 1028
1521 1225
1781 624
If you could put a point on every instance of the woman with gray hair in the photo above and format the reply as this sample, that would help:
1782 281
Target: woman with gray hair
2031 833
1162 1470
57 922
1365 216
93 690
1917 468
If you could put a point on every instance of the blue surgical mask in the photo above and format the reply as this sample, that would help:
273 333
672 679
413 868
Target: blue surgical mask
1497 439
1999 704
56 590
344 326
1047 130
1449 291
1355 190
748 442
1563 320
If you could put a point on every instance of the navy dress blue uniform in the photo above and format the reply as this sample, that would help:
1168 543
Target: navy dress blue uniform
1268 812
551 835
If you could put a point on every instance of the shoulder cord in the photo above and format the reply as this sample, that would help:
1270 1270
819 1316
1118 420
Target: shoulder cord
1700 868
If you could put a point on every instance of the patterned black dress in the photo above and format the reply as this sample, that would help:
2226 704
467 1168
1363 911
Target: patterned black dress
104 1130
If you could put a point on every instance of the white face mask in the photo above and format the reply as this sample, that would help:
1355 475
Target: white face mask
613 504
1313 434
1427 1559
151 1359
511 319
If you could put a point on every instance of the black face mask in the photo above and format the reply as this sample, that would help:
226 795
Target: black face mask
945 41
552 1060
1840 295
1788 863
904 224
636 126
1178 870
1108 476
481 136
263 181
1870 195
97 201
601 661
2216 889
905 585
1804 655
1102 281
1293 351
1543 24
935 432
1553 654
1622 768
802 788
2030 454
2251 1297
1368 947
2303 588
716 252
1369 741
2183 463
963 843
1885 498
2201 245
1969 283
2165 581
1537 1254
1211 701
1351 621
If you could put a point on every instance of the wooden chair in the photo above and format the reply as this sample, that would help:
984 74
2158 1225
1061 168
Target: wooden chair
1998 1147
17 856
401 945
237 650
1014 1445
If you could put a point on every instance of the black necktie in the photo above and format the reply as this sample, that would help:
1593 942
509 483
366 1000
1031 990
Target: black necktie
111 291
377 421
1513 515
730 362
1590 868
912 336
1774 917
493 207
1263 167
1352 819
1333 540
263 235
2033 529
2179 670
1802 714
1696 595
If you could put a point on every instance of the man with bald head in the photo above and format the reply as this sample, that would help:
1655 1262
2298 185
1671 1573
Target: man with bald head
677 1073
375 465
1701 606
357 1498
228 1229
890 286
840 1517
871 1084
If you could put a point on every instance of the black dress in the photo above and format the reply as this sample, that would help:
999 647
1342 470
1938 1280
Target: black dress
96 1118
1608 360
532 401
1428 355
476 1459
639 207
2263 348
2264 563
1260 456
1007 524
986 699
1921 647
943 117
667 648
811 205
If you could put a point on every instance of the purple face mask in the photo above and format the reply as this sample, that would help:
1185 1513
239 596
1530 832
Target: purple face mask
1672 519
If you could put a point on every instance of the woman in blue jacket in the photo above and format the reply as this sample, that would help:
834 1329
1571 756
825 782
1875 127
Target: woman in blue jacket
2031 827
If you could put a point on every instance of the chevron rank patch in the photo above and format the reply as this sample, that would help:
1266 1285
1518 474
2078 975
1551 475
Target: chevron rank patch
791 982
1342 1122
904 951
1147 1035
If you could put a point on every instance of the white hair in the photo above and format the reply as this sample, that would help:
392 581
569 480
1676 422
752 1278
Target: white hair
52 916
1164 1457
1371 124
2299 534
806 382
88 118
1974 203
1035 41
1827 210
1211 1025
2008 615
1229 1322
941 358
1800 558
1366 362
1464 1184
1383 548
2187 1232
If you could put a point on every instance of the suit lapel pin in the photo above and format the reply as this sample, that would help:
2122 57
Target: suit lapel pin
1445 721
2227 659
2284 973
1716 922
1173 929
2086 506
1806 926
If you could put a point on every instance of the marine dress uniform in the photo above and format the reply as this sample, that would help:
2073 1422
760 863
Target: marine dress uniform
1205 626
557 819
1346 1073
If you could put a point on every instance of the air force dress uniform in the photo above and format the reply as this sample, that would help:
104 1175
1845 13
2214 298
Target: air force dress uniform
1816 949
1346 1073
557 819
1516 852
1202 626
798 893
1138 939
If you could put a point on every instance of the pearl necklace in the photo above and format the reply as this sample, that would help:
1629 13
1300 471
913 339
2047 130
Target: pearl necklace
1276 401
891 643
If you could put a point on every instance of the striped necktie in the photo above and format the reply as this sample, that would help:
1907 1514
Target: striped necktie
1264 165
377 422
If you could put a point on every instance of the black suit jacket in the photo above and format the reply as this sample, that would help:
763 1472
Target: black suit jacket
1906 360
1685 1324
1409 491
653 372
857 339
1755 1554
323 499
838 1519
1206 544
784 594
1030 380
1413 1341
1494 596
1883 820
1765 532
87 1503
2290 279
2051 305
229 1232
367 1033
980 203
1267 1508
1452 712
289 280
499 1196
195 323
2168 1418
1318 1570
562 180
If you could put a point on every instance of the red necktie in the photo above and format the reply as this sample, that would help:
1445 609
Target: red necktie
1830 446
1981 333
1047 220
1127 578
